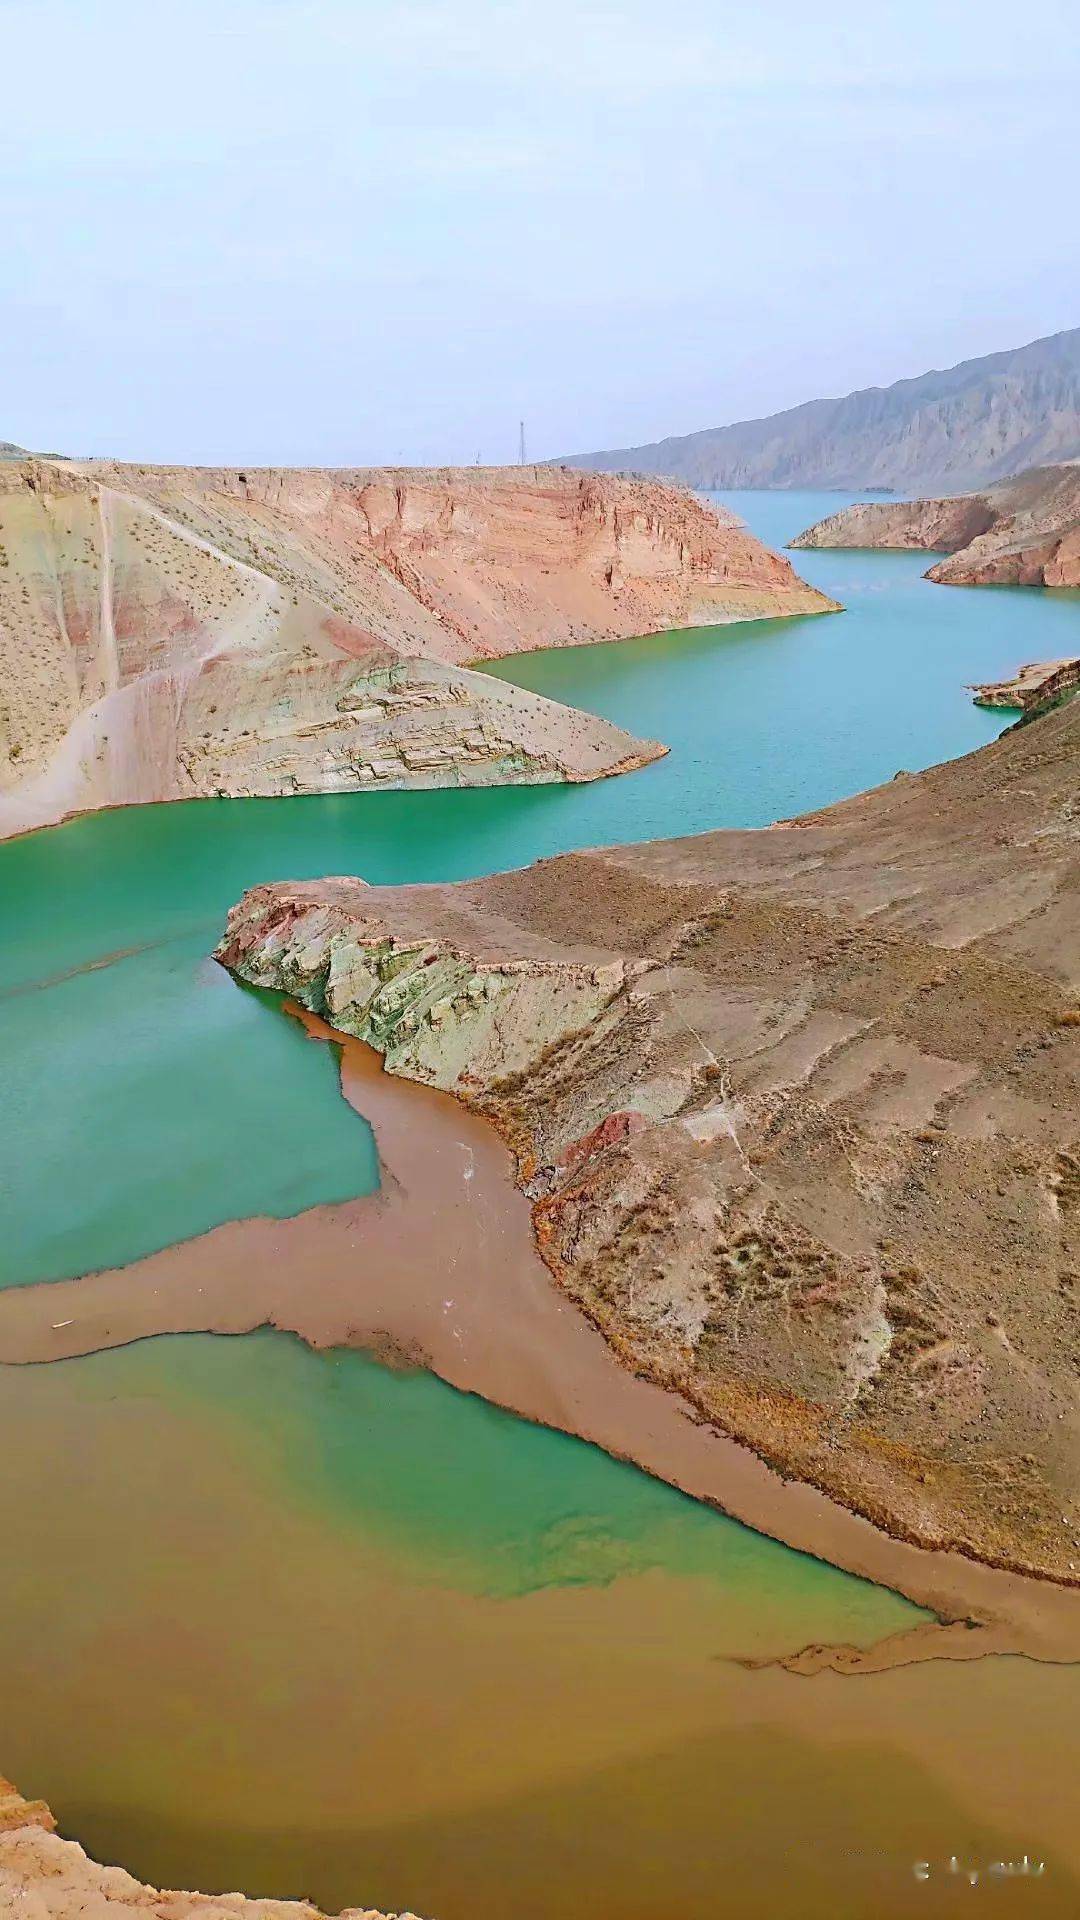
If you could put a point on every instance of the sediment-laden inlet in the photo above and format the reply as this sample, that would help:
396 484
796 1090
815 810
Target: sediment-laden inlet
42 1874
441 1269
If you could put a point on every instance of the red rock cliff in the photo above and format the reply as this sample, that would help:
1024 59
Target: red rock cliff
176 632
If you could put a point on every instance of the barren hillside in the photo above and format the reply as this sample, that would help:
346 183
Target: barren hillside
171 632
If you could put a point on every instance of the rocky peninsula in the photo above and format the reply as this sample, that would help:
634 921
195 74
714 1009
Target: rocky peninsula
1025 532
795 1110
171 633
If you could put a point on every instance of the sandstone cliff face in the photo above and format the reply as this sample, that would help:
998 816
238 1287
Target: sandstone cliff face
799 1126
476 563
964 426
169 633
1024 533
43 1877
1033 688
930 526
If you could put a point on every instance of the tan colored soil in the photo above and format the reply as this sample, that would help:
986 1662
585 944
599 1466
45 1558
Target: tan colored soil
1033 687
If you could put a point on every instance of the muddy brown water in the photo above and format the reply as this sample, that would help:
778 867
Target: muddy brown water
286 1621
439 1269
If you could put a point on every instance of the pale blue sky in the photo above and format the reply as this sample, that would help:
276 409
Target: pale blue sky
309 230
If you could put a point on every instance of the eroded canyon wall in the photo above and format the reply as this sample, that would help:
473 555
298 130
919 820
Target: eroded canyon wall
173 632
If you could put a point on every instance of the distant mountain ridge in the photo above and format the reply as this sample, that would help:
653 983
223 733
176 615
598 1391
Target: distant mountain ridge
967 426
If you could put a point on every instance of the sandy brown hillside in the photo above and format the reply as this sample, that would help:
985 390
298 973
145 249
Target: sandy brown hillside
176 632
801 1123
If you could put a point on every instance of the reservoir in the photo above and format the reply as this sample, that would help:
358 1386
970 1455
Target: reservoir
303 1624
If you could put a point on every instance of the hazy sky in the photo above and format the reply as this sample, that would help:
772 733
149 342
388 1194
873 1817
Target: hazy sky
350 232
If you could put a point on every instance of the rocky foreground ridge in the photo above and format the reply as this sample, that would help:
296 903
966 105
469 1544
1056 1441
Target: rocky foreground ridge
798 1111
963 426
170 633
1024 533
43 1877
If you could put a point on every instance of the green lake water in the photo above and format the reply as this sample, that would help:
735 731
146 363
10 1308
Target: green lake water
296 1623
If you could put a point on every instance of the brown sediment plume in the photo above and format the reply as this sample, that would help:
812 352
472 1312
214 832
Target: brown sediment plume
44 1877
440 1269
798 1118
172 632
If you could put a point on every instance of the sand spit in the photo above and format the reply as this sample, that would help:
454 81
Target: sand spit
1025 532
170 633
440 1269
43 1877
799 1124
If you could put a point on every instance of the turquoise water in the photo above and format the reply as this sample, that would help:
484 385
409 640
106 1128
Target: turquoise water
772 717
472 1497
151 1099
148 1100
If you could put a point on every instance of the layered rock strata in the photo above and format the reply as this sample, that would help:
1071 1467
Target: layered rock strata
799 1120
1032 688
170 633
1025 532
43 1877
